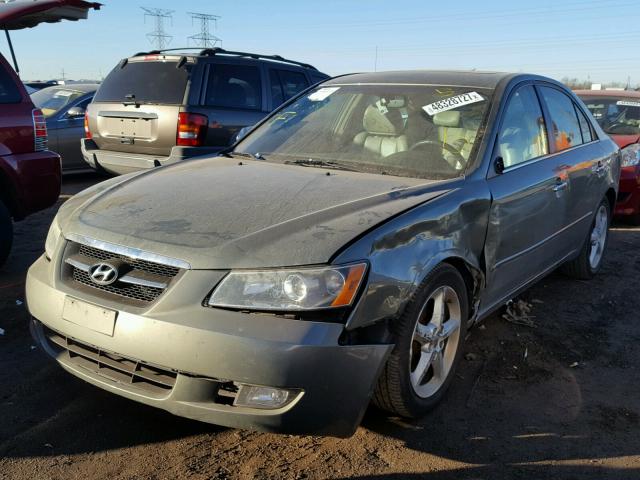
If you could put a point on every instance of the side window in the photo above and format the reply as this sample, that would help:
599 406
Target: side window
277 97
565 126
522 135
286 84
234 86
85 103
585 128
292 83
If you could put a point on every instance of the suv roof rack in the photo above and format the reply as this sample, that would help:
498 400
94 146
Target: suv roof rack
210 52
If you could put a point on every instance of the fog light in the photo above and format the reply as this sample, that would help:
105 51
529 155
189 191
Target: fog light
255 396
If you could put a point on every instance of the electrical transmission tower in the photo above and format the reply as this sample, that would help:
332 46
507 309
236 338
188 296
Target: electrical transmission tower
159 37
205 38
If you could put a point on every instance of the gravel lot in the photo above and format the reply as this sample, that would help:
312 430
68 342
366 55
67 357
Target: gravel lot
559 400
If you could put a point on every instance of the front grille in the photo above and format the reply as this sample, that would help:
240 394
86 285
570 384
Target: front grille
134 292
138 294
142 265
151 379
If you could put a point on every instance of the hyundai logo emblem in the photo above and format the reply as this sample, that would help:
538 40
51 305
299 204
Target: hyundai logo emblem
103 274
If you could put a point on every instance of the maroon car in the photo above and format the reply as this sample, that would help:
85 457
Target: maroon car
618 113
29 173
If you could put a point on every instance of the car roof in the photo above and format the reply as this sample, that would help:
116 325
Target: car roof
177 53
78 87
471 78
608 93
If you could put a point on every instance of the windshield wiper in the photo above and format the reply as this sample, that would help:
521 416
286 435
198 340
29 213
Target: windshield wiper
311 162
235 154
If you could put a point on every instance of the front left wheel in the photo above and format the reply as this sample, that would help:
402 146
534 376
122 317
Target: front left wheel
429 338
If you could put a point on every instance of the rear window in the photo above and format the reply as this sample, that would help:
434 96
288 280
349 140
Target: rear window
150 82
9 92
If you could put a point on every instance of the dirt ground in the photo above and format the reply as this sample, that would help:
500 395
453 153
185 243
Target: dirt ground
559 400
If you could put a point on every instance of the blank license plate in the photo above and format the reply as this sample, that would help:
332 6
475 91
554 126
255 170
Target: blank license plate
90 316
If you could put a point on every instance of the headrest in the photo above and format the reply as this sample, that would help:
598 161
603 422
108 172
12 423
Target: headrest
378 123
447 119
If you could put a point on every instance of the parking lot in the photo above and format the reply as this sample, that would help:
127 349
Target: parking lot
554 400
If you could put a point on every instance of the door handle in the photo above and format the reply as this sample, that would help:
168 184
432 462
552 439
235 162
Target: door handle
560 185
600 168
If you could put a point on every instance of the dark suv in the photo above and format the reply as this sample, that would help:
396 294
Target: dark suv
161 107
29 173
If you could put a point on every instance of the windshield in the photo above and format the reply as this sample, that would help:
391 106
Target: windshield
53 99
404 130
145 82
616 115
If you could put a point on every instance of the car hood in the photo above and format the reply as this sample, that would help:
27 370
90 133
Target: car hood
29 13
220 213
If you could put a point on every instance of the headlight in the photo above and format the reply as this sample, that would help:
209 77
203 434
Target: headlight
290 289
631 155
52 238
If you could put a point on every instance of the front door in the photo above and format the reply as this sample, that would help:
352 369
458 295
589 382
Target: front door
529 201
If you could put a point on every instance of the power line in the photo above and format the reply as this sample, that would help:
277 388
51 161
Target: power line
158 37
205 38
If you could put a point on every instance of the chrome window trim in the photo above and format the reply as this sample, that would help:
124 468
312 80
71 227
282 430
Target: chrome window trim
130 252
545 157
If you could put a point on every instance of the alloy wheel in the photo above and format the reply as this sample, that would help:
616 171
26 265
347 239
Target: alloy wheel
435 341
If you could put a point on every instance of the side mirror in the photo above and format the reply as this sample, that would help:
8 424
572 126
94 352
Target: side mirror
75 112
498 165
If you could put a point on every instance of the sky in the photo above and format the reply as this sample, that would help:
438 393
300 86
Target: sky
590 40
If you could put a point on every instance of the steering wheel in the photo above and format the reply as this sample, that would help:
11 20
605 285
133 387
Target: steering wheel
448 147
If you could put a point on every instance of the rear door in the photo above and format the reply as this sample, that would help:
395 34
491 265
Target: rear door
577 148
233 97
136 107
529 200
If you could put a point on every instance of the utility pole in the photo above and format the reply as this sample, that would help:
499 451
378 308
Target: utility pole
375 62
158 37
205 38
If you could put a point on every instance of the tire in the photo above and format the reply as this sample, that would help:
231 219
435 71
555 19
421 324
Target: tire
399 389
6 233
583 267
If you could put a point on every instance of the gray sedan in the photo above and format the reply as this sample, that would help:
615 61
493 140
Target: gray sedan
336 255
63 107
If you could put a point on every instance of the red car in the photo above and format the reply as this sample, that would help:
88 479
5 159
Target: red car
29 173
618 112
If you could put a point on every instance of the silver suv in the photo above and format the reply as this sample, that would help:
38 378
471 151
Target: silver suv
161 107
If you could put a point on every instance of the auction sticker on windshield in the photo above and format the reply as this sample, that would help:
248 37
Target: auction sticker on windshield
627 103
453 102
323 93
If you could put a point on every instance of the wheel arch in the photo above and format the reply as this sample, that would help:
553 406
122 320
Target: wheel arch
473 278
611 197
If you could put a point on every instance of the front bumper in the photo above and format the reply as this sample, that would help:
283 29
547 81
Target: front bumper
120 163
203 345
628 204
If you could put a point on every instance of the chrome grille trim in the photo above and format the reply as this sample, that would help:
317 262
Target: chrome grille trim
130 252
135 277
